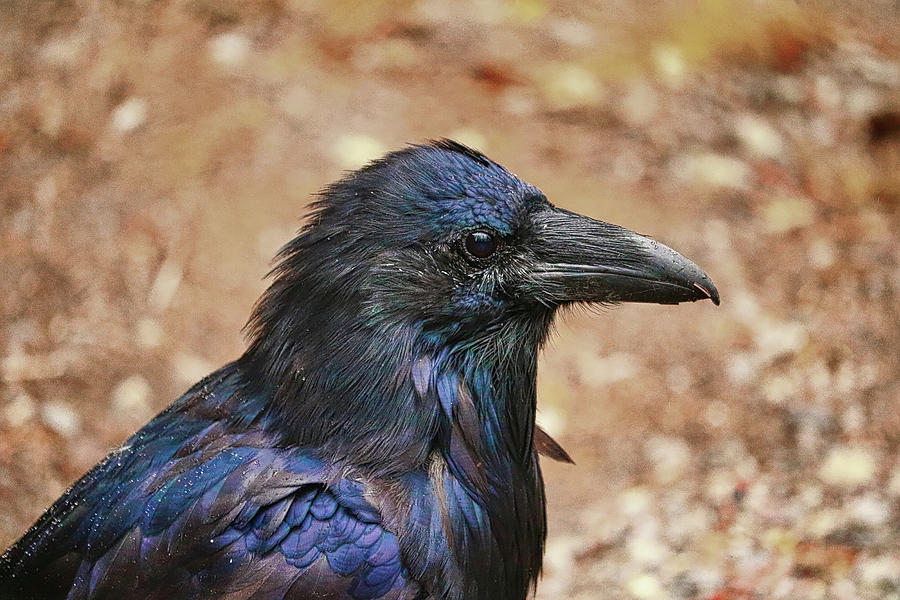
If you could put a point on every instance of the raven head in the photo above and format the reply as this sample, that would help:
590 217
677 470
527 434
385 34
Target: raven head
441 236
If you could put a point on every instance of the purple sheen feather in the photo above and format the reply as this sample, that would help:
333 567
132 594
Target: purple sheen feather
324 506
385 552
346 559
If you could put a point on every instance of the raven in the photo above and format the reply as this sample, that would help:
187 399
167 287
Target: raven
377 439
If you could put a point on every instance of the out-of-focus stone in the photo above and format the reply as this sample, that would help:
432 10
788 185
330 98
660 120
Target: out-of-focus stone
720 485
822 131
821 253
230 50
785 214
759 138
635 501
647 550
716 414
828 93
843 589
778 388
870 509
670 65
599 372
629 166
789 89
63 51
129 115
131 397
777 338
297 101
679 378
853 418
569 86
741 368
894 483
59 416
848 467
559 565
823 522
353 151
879 572
149 333
639 104
166 283
644 586
862 101
191 367
712 170
669 456
572 32
470 137
19 410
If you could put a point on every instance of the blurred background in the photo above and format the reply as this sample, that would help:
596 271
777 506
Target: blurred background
155 154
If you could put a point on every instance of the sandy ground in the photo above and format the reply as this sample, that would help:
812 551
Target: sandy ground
154 155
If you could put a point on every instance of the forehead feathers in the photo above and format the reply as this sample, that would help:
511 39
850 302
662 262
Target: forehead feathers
467 189
430 190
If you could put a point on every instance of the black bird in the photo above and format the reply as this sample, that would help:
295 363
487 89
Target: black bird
377 439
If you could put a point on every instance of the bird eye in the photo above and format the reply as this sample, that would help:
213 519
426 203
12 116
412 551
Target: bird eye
480 244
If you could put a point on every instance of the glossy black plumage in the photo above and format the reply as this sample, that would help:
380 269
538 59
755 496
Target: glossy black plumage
377 439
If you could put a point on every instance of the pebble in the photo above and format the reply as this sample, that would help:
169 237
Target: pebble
59 416
821 253
191 368
894 483
720 484
229 50
670 65
639 104
646 550
742 368
166 283
879 571
644 586
870 509
713 170
669 456
788 213
828 93
635 501
862 101
599 372
19 410
570 86
628 166
355 150
776 338
716 414
848 467
64 51
789 89
779 388
149 333
129 115
131 398
679 378
759 138
821 523
470 137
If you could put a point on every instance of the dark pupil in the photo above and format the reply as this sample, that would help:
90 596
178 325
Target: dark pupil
480 244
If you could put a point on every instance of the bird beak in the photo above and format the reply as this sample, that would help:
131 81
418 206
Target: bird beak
584 260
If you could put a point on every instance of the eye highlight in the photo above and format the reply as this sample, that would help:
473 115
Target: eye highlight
480 244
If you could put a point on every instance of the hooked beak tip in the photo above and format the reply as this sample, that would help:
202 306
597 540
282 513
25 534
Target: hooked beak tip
712 295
